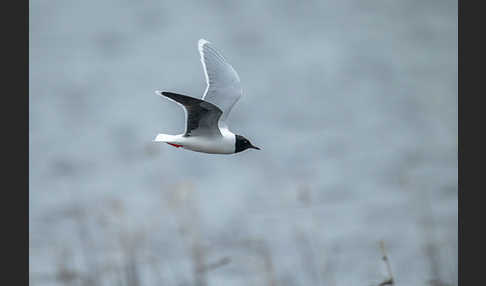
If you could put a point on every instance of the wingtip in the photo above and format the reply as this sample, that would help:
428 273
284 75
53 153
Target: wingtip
202 42
158 92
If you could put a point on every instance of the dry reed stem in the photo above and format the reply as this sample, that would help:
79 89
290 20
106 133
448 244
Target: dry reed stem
389 280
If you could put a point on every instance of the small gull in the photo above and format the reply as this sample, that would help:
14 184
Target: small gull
206 128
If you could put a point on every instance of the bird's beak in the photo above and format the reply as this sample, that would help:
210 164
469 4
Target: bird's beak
254 147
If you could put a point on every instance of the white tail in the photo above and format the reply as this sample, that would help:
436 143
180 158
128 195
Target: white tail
165 138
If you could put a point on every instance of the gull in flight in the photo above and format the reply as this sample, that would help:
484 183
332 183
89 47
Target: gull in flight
206 128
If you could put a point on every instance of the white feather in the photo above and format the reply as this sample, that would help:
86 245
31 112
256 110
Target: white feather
223 83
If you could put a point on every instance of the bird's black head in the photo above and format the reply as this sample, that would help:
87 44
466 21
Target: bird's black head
242 144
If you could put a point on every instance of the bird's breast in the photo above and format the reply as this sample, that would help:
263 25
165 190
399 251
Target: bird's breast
213 145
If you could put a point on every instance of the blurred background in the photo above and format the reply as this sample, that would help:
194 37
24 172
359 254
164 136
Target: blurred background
353 102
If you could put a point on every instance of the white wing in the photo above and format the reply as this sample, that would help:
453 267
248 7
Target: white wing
224 88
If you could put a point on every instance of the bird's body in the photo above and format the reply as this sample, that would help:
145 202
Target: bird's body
206 144
206 128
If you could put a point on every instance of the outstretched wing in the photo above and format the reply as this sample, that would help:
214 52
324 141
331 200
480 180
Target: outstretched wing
224 88
201 117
